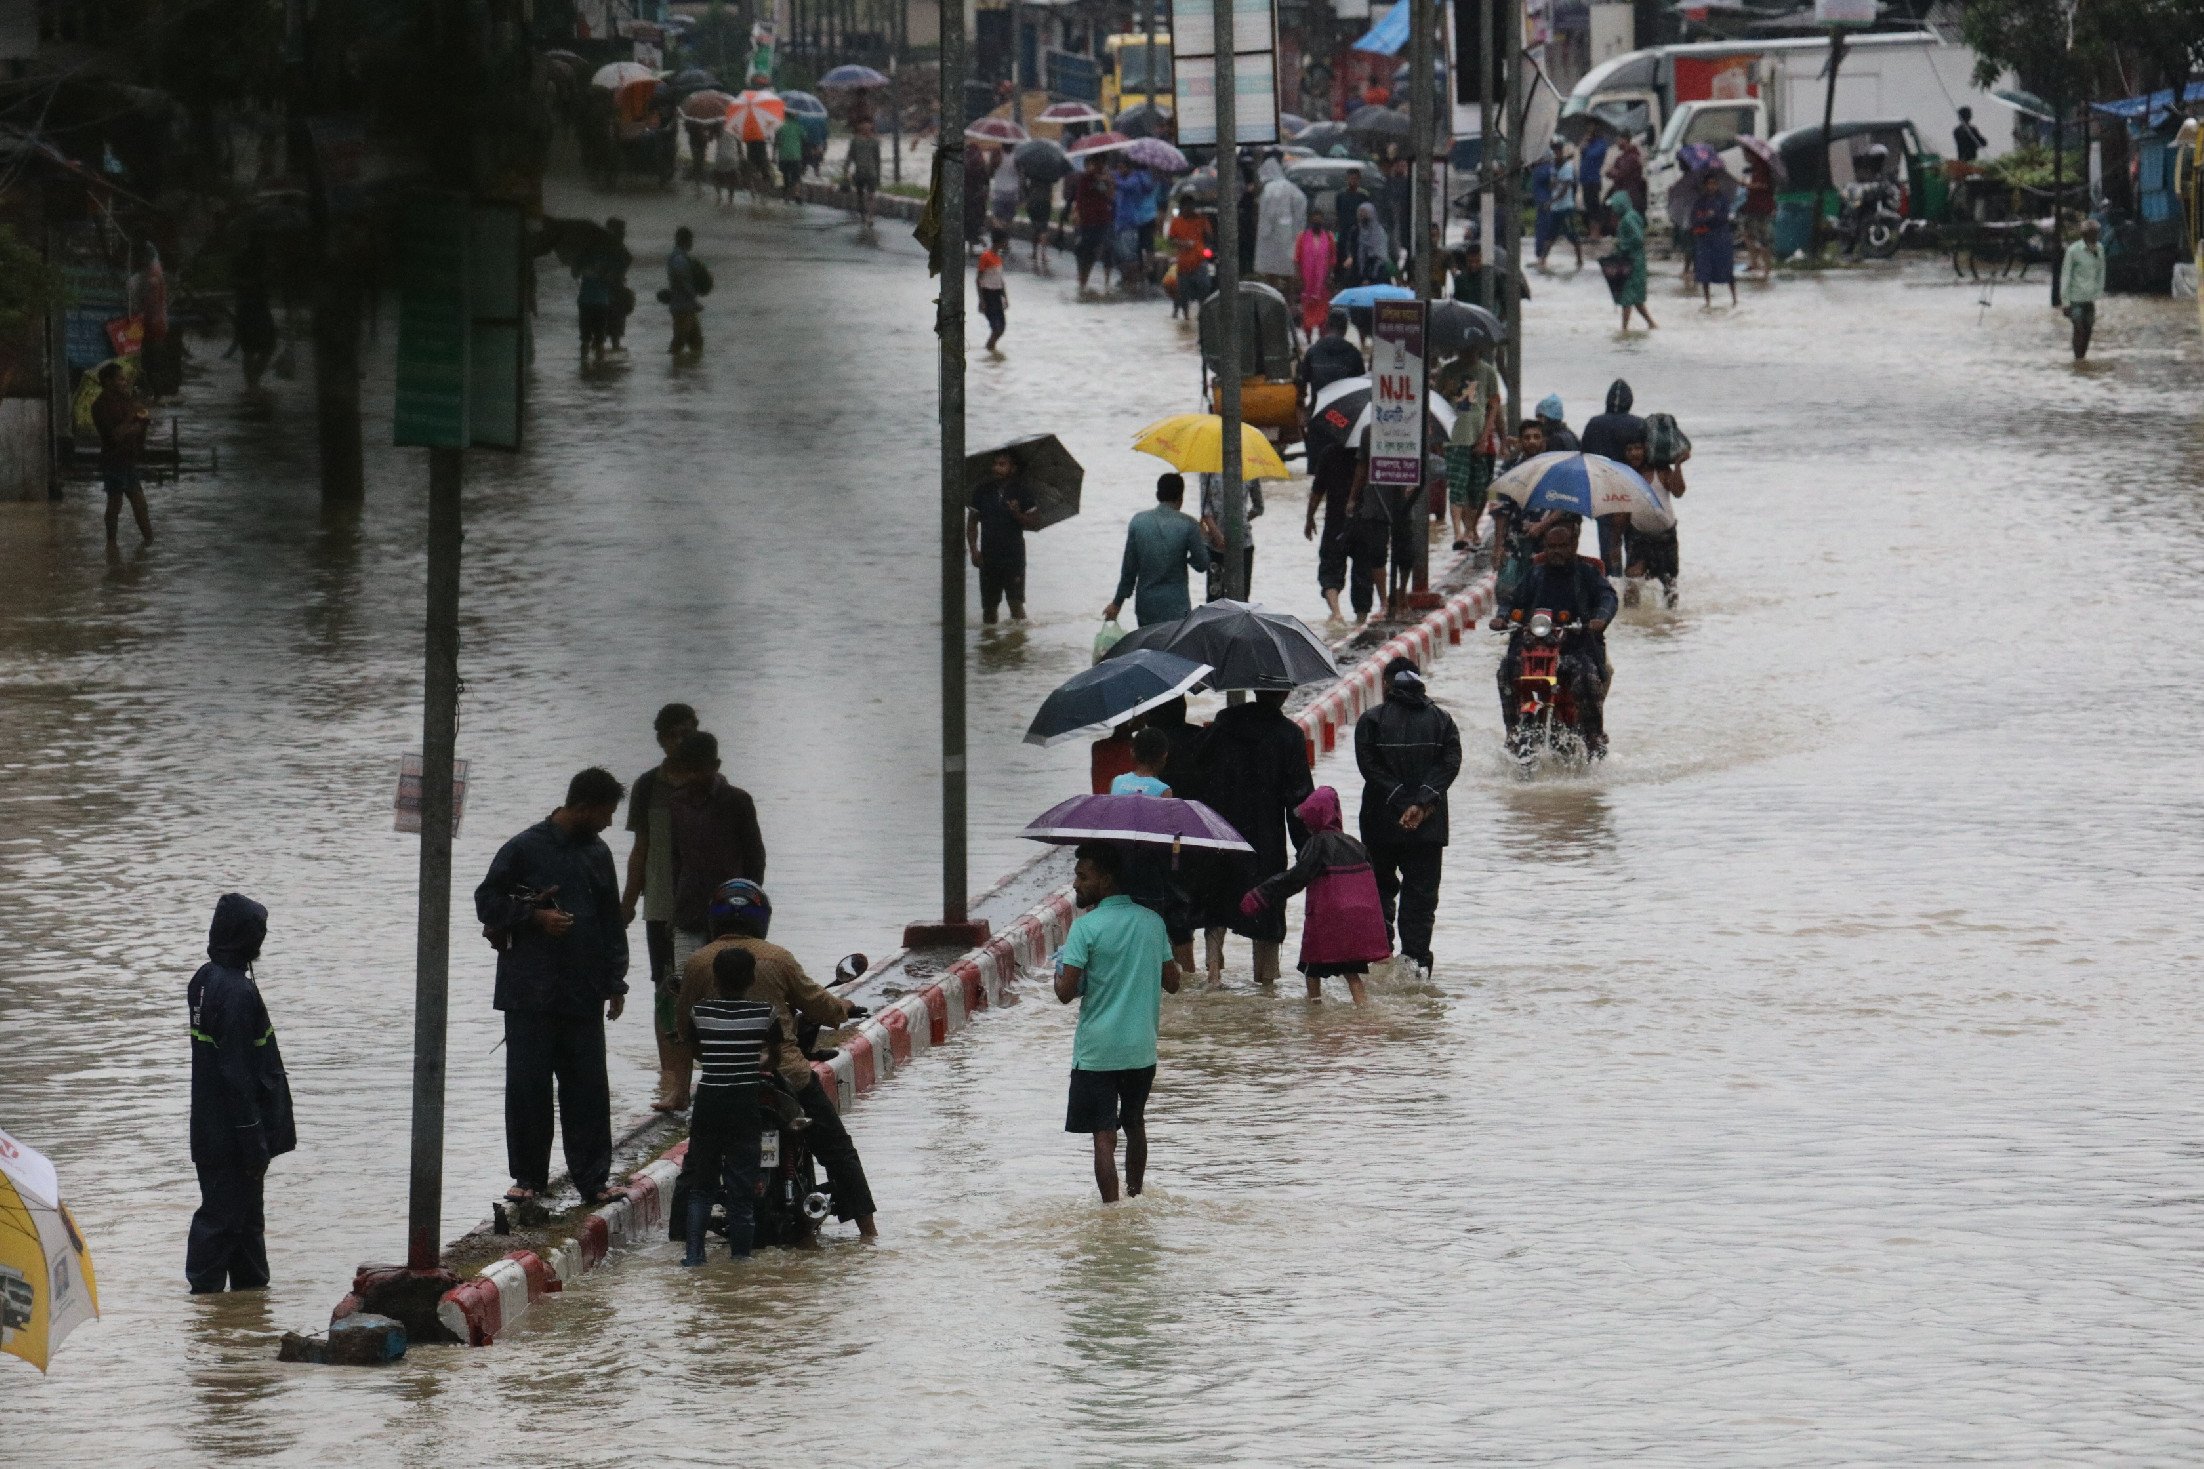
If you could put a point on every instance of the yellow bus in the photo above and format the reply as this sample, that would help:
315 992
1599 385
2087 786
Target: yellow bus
1127 78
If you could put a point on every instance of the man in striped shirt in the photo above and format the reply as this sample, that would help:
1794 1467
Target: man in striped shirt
732 1037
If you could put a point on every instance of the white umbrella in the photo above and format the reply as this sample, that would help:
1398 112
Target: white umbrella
614 76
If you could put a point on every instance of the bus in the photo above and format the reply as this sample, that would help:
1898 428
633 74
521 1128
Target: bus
1128 80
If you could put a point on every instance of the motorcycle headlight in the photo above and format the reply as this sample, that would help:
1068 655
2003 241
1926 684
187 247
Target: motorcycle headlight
1541 624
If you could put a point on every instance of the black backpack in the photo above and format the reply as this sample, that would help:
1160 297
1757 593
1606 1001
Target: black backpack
700 277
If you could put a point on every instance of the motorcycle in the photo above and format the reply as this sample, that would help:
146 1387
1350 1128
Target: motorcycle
1873 224
1546 725
791 1203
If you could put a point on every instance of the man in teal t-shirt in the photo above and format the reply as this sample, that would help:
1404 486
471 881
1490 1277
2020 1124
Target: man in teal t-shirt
1117 963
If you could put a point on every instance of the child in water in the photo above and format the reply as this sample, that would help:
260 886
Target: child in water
1343 928
994 295
1150 750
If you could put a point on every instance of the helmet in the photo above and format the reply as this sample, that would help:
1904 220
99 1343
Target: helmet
740 900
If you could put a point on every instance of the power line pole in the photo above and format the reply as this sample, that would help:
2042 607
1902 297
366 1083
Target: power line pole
954 885
1231 488
1509 46
1420 126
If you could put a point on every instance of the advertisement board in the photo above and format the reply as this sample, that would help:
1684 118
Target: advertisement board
1396 393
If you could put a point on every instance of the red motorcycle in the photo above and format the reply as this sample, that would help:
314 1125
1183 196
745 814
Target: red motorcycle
1546 725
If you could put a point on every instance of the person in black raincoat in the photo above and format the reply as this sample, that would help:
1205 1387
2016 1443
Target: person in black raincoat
1253 770
240 1104
1611 434
551 905
1409 752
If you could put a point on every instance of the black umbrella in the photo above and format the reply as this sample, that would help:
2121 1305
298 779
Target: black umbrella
1457 326
1200 185
1041 159
1322 135
1378 122
693 79
1047 468
1342 416
1111 693
1144 120
1246 645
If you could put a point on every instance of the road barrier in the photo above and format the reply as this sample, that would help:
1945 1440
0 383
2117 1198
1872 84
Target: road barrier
896 1034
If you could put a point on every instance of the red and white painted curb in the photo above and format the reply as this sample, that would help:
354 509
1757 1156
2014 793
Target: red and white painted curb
478 1309
896 1034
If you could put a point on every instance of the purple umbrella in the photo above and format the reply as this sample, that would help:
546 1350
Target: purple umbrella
1160 821
1157 154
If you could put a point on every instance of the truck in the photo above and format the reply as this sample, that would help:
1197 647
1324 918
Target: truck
1133 72
1715 92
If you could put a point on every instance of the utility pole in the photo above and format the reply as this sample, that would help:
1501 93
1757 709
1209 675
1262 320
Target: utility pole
1510 45
432 940
2058 185
1487 199
956 928
1231 488
1828 119
1421 127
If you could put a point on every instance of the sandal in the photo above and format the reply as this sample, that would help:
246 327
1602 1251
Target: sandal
609 1196
518 1194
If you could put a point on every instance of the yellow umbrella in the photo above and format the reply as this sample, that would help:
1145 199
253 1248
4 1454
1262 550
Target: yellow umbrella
1193 443
46 1283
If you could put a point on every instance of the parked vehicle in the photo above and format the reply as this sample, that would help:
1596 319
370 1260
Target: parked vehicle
1269 395
1128 78
1819 169
1716 92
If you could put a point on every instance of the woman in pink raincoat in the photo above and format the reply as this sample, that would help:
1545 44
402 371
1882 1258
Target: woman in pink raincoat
1342 927
1312 256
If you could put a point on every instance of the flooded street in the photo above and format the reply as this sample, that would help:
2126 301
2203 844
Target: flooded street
1814 1083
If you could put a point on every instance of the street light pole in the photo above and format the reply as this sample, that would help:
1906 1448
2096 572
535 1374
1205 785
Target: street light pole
1231 488
954 887
1509 45
1828 119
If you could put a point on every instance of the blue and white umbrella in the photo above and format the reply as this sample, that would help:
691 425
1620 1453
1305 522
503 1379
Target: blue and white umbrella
1364 295
1590 485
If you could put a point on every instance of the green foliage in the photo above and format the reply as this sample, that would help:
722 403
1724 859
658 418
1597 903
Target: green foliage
28 285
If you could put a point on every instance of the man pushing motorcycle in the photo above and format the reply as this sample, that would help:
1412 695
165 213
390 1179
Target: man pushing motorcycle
1574 591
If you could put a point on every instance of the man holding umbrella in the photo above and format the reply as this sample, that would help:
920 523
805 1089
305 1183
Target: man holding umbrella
1254 771
1003 510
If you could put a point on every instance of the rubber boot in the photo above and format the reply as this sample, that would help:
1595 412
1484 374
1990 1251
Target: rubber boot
700 1216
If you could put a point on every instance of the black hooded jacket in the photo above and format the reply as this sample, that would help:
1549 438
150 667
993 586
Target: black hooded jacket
1253 770
1611 432
1409 752
240 1096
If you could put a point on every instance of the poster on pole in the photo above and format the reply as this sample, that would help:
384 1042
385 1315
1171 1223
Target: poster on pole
1396 393
1255 70
407 808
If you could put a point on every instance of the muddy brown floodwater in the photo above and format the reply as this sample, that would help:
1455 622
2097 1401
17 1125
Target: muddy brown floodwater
1814 1083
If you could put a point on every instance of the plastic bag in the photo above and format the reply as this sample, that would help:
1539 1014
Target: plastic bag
1107 638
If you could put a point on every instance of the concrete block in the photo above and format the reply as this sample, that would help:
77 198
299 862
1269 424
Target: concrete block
362 1339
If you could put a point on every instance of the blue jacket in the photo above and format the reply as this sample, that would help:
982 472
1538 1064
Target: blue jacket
1160 545
575 973
240 1094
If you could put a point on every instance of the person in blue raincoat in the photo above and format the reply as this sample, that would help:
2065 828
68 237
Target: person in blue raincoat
1714 250
240 1104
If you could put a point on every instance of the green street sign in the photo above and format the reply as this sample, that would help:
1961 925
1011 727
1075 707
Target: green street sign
433 325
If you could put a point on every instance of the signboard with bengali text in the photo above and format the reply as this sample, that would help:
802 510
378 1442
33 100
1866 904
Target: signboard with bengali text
1396 393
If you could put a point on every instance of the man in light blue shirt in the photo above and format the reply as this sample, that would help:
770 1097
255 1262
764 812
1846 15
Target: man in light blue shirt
1116 962
2081 282
1160 545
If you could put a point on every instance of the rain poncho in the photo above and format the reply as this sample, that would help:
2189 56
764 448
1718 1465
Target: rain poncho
1372 262
1343 923
1313 254
1630 244
1280 214
1409 752
240 1095
1611 432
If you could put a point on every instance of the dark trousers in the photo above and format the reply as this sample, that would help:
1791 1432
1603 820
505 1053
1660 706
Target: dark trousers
723 1153
831 1146
2084 318
228 1249
1580 672
541 1048
1367 542
1409 877
1331 556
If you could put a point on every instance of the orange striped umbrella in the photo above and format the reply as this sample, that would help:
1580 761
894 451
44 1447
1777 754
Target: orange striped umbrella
756 116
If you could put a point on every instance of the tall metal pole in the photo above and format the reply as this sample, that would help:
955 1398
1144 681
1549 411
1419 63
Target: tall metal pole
1828 117
1148 26
1510 239
432 942
1420 127
2058 186
1231 488
1488 209
951 327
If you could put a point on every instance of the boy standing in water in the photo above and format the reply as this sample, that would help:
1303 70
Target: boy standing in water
1117 963
994 295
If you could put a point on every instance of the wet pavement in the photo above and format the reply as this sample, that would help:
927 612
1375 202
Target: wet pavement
1812 1083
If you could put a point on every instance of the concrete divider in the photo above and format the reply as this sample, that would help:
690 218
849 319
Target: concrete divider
908 1024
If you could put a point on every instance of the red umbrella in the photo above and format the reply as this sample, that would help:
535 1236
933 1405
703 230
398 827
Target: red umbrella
997 130
1070 112
1099 143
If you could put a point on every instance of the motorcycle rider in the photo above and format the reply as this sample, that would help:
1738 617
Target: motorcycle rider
1561 581
741 914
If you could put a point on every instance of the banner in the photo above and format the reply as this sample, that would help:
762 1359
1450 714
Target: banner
1255 70
1396 393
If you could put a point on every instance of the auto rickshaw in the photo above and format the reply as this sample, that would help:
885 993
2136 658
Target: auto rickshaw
1269 394
1812 165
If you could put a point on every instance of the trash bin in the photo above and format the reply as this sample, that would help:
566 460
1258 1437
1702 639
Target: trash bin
1794 224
